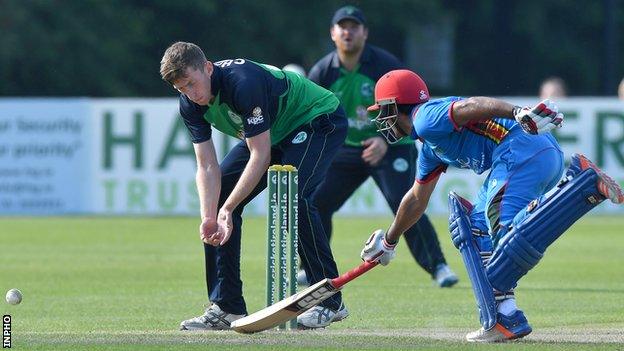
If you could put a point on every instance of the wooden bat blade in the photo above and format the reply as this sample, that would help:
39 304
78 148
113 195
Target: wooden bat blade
298 303
286 309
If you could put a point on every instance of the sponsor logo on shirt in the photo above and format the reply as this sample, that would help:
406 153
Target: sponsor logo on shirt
257 117
300 138
361 121
366 90
255 120
464 163
362 113
472 163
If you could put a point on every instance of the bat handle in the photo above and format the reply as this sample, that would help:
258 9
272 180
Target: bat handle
352 274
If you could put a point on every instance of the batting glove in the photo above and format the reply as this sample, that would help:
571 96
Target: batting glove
540 119
377 249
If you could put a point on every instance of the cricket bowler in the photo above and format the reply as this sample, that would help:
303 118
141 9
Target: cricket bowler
280 118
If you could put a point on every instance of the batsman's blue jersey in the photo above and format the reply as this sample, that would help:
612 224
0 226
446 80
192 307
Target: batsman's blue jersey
521 166
471 146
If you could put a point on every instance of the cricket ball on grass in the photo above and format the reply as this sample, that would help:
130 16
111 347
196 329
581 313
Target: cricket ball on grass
14 296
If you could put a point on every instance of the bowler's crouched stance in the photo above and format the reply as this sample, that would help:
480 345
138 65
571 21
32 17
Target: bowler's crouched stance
280 118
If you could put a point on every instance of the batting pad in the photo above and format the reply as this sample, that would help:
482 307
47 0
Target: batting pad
461 234
539 225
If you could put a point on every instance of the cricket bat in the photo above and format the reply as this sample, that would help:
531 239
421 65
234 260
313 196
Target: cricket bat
292 306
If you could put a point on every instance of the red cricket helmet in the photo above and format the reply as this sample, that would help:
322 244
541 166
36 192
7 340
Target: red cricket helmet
402 85
398 87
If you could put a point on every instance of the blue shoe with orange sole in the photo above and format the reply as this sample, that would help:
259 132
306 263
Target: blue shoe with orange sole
608 187
507 328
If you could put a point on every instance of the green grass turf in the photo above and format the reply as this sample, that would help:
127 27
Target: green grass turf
125 283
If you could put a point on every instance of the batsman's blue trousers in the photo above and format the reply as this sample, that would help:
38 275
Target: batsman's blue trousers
524 168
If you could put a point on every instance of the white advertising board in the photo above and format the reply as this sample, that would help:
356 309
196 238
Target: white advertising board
133 157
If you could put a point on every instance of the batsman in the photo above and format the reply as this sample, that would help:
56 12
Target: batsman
523 206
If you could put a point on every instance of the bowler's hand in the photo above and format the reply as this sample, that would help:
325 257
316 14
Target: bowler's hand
208 231
377 249
542 118
224 222
375 149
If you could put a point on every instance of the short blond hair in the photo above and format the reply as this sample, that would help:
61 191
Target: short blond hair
178 57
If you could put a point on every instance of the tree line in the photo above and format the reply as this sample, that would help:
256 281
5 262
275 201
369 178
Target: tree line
112 48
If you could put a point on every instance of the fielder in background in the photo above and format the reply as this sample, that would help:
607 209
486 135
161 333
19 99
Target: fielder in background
523 205
350 72
281 118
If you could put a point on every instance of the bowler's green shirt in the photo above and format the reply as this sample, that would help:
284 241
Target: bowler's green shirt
251 98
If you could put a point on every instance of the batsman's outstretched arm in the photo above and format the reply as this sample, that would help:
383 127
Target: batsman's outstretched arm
480 108
379 247
539 119
412 207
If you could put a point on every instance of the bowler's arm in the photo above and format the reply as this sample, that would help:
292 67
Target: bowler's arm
259 159
207 179
412 207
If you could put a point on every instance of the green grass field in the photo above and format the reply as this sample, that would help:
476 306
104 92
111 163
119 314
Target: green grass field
125 284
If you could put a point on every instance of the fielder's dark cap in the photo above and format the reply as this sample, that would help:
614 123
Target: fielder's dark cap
349 12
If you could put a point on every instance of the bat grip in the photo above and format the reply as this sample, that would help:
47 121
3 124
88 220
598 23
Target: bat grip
352 274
